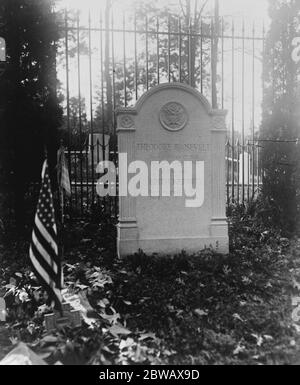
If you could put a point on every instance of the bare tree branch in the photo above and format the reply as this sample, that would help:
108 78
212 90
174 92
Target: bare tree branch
182 8
197 17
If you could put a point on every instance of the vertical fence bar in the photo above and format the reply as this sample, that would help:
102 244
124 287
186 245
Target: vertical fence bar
147 55
136 81
243 111
233 116
222 65
248 168
68 96
201 53
263 57
102 88
253 111
190 76
157 50
180 49
75 178
80 116
115 148
261 173
109 99
238 171
212 64
124 61
113 55
228 170
98 146
169 49
258 167
86 158
91 111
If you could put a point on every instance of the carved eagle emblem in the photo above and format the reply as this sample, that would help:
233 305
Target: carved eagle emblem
173 116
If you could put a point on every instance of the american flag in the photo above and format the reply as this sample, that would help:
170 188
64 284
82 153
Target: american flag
44 255
63 172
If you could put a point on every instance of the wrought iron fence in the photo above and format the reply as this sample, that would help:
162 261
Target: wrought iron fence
106 63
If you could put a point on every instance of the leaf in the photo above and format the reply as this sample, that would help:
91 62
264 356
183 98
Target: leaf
45 355
82 287
125 344
70 267
86 240
296 284
113 318
201 313
239 349
103 303
268 338
259 339
49 340
169 353
147 336
297 327
14 341
118 329
144 299
238 317
226 270
257 357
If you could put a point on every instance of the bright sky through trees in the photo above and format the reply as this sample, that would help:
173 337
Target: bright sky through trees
252 11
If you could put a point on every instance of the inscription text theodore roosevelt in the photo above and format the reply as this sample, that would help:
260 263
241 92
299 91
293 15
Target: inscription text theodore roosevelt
145 147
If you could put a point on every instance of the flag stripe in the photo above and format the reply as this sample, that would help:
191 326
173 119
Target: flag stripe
46 234
46 246
43 253
43 273
46 267
53 234
43 277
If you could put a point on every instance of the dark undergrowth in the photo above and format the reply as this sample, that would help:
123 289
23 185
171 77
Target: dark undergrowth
201 309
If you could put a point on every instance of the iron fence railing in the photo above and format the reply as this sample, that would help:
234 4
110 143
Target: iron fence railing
106 63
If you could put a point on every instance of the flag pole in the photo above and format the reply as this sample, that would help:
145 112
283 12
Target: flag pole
62 212
62 249
64 186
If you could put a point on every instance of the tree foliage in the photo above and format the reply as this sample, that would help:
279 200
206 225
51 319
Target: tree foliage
281 113
30 111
